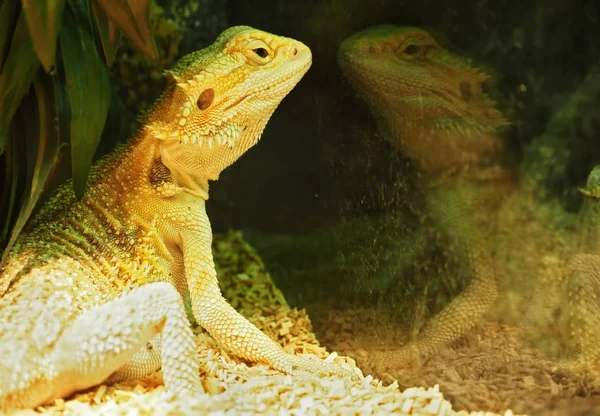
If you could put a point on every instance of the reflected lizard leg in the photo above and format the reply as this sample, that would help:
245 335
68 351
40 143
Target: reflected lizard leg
454 210
105 338
462 313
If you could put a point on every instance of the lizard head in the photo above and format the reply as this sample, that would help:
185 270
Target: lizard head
592 188
589 215
220 99
419 92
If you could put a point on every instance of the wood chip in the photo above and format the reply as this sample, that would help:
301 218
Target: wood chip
99 394
237 388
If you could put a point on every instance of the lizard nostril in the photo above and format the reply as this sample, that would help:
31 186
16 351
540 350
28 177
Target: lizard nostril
295 51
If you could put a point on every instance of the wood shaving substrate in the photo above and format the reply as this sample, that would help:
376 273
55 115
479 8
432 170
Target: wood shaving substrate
236 387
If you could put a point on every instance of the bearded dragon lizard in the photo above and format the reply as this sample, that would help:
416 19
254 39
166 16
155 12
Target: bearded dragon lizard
92 291
429 104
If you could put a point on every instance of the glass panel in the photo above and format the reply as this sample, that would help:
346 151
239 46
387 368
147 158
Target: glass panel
424 203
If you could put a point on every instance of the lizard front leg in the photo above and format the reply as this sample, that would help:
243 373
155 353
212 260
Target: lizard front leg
222 321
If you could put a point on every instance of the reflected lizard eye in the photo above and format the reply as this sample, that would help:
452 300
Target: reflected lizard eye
412 50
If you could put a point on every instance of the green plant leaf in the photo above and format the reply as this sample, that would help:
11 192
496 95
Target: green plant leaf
43 19
9 12
18 72
40 132
109 34
132 18
89 96
9 187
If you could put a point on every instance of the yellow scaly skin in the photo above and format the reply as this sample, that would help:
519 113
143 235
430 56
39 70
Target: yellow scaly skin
429 104
92 291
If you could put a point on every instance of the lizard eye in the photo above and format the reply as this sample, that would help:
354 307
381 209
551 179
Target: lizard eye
258 52
262 52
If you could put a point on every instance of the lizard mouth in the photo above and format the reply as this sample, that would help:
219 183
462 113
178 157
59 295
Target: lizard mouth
237 102
295 74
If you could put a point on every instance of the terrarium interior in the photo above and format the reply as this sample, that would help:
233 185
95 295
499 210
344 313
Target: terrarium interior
363 229
427 192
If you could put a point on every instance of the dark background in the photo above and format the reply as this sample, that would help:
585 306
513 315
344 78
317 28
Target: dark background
326 201
312 157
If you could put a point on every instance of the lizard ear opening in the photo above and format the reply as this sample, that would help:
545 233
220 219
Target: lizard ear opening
206 98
